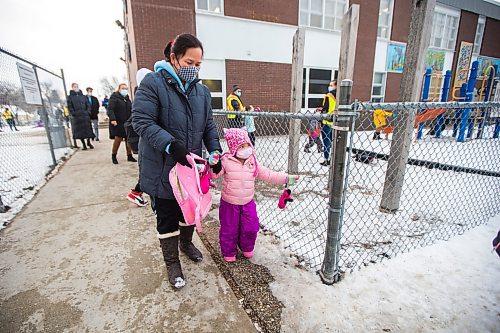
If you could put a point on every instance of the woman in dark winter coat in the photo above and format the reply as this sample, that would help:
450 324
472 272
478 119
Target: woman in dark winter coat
79 110
173 117
119 111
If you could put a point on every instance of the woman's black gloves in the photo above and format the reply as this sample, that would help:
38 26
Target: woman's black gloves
178 153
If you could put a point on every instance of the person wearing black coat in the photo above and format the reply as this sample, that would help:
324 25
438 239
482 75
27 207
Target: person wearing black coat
79 110
119 111
94 112
173 116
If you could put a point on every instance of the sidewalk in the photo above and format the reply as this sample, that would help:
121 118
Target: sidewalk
80 257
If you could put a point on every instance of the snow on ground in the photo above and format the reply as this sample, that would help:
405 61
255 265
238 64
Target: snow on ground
25 164
435 204
450 286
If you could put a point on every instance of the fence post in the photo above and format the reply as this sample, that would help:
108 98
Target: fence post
46 120
425 97
464 122
444 98
296 100
416 50
329 272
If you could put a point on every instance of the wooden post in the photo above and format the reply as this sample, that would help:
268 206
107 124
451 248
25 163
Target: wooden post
296 100
348 39
409 91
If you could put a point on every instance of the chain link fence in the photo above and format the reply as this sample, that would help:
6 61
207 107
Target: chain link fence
33 138
448 186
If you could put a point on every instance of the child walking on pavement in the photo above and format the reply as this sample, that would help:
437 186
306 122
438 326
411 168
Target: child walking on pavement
239 223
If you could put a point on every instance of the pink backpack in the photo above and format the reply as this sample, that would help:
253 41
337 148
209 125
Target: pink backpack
190 187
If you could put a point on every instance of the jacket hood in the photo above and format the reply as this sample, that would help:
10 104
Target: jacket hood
164 65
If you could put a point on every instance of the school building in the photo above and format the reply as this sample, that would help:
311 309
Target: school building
250 43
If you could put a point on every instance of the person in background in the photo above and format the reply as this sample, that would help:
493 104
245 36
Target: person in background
94 112
250 123
136 195
379 119
328 107
105 102
9 118
119 111
66 116
234 103
79 110
314 134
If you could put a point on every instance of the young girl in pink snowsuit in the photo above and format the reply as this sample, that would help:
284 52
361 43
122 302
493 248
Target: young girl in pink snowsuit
239 223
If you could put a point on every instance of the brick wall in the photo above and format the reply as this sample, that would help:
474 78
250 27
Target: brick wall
263 84
491 44
277 11
365 48
399 32
401 20
155 23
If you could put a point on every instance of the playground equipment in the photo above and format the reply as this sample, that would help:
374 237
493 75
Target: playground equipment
485 94
466 120
426 115
429 95
464 123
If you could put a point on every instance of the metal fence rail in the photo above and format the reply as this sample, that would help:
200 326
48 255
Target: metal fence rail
449 186
34 140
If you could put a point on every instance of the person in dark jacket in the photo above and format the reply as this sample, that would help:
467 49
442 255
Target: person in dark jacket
94 112
79 110
119 111
173 116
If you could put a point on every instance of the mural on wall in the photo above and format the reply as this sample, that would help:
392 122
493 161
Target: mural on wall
463 64
435 60
395 57
484 63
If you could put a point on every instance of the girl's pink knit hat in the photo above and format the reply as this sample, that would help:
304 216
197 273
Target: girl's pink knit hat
235 137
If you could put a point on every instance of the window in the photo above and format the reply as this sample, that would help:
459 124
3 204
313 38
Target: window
378 87
214 6
435 88
325 14
215 87
314 86
479 34
444 30
385 19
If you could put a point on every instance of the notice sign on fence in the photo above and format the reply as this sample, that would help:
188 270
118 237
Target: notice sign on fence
30 84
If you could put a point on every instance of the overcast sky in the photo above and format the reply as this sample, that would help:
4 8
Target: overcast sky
79 36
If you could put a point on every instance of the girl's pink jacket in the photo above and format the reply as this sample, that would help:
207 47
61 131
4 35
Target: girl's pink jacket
238 185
